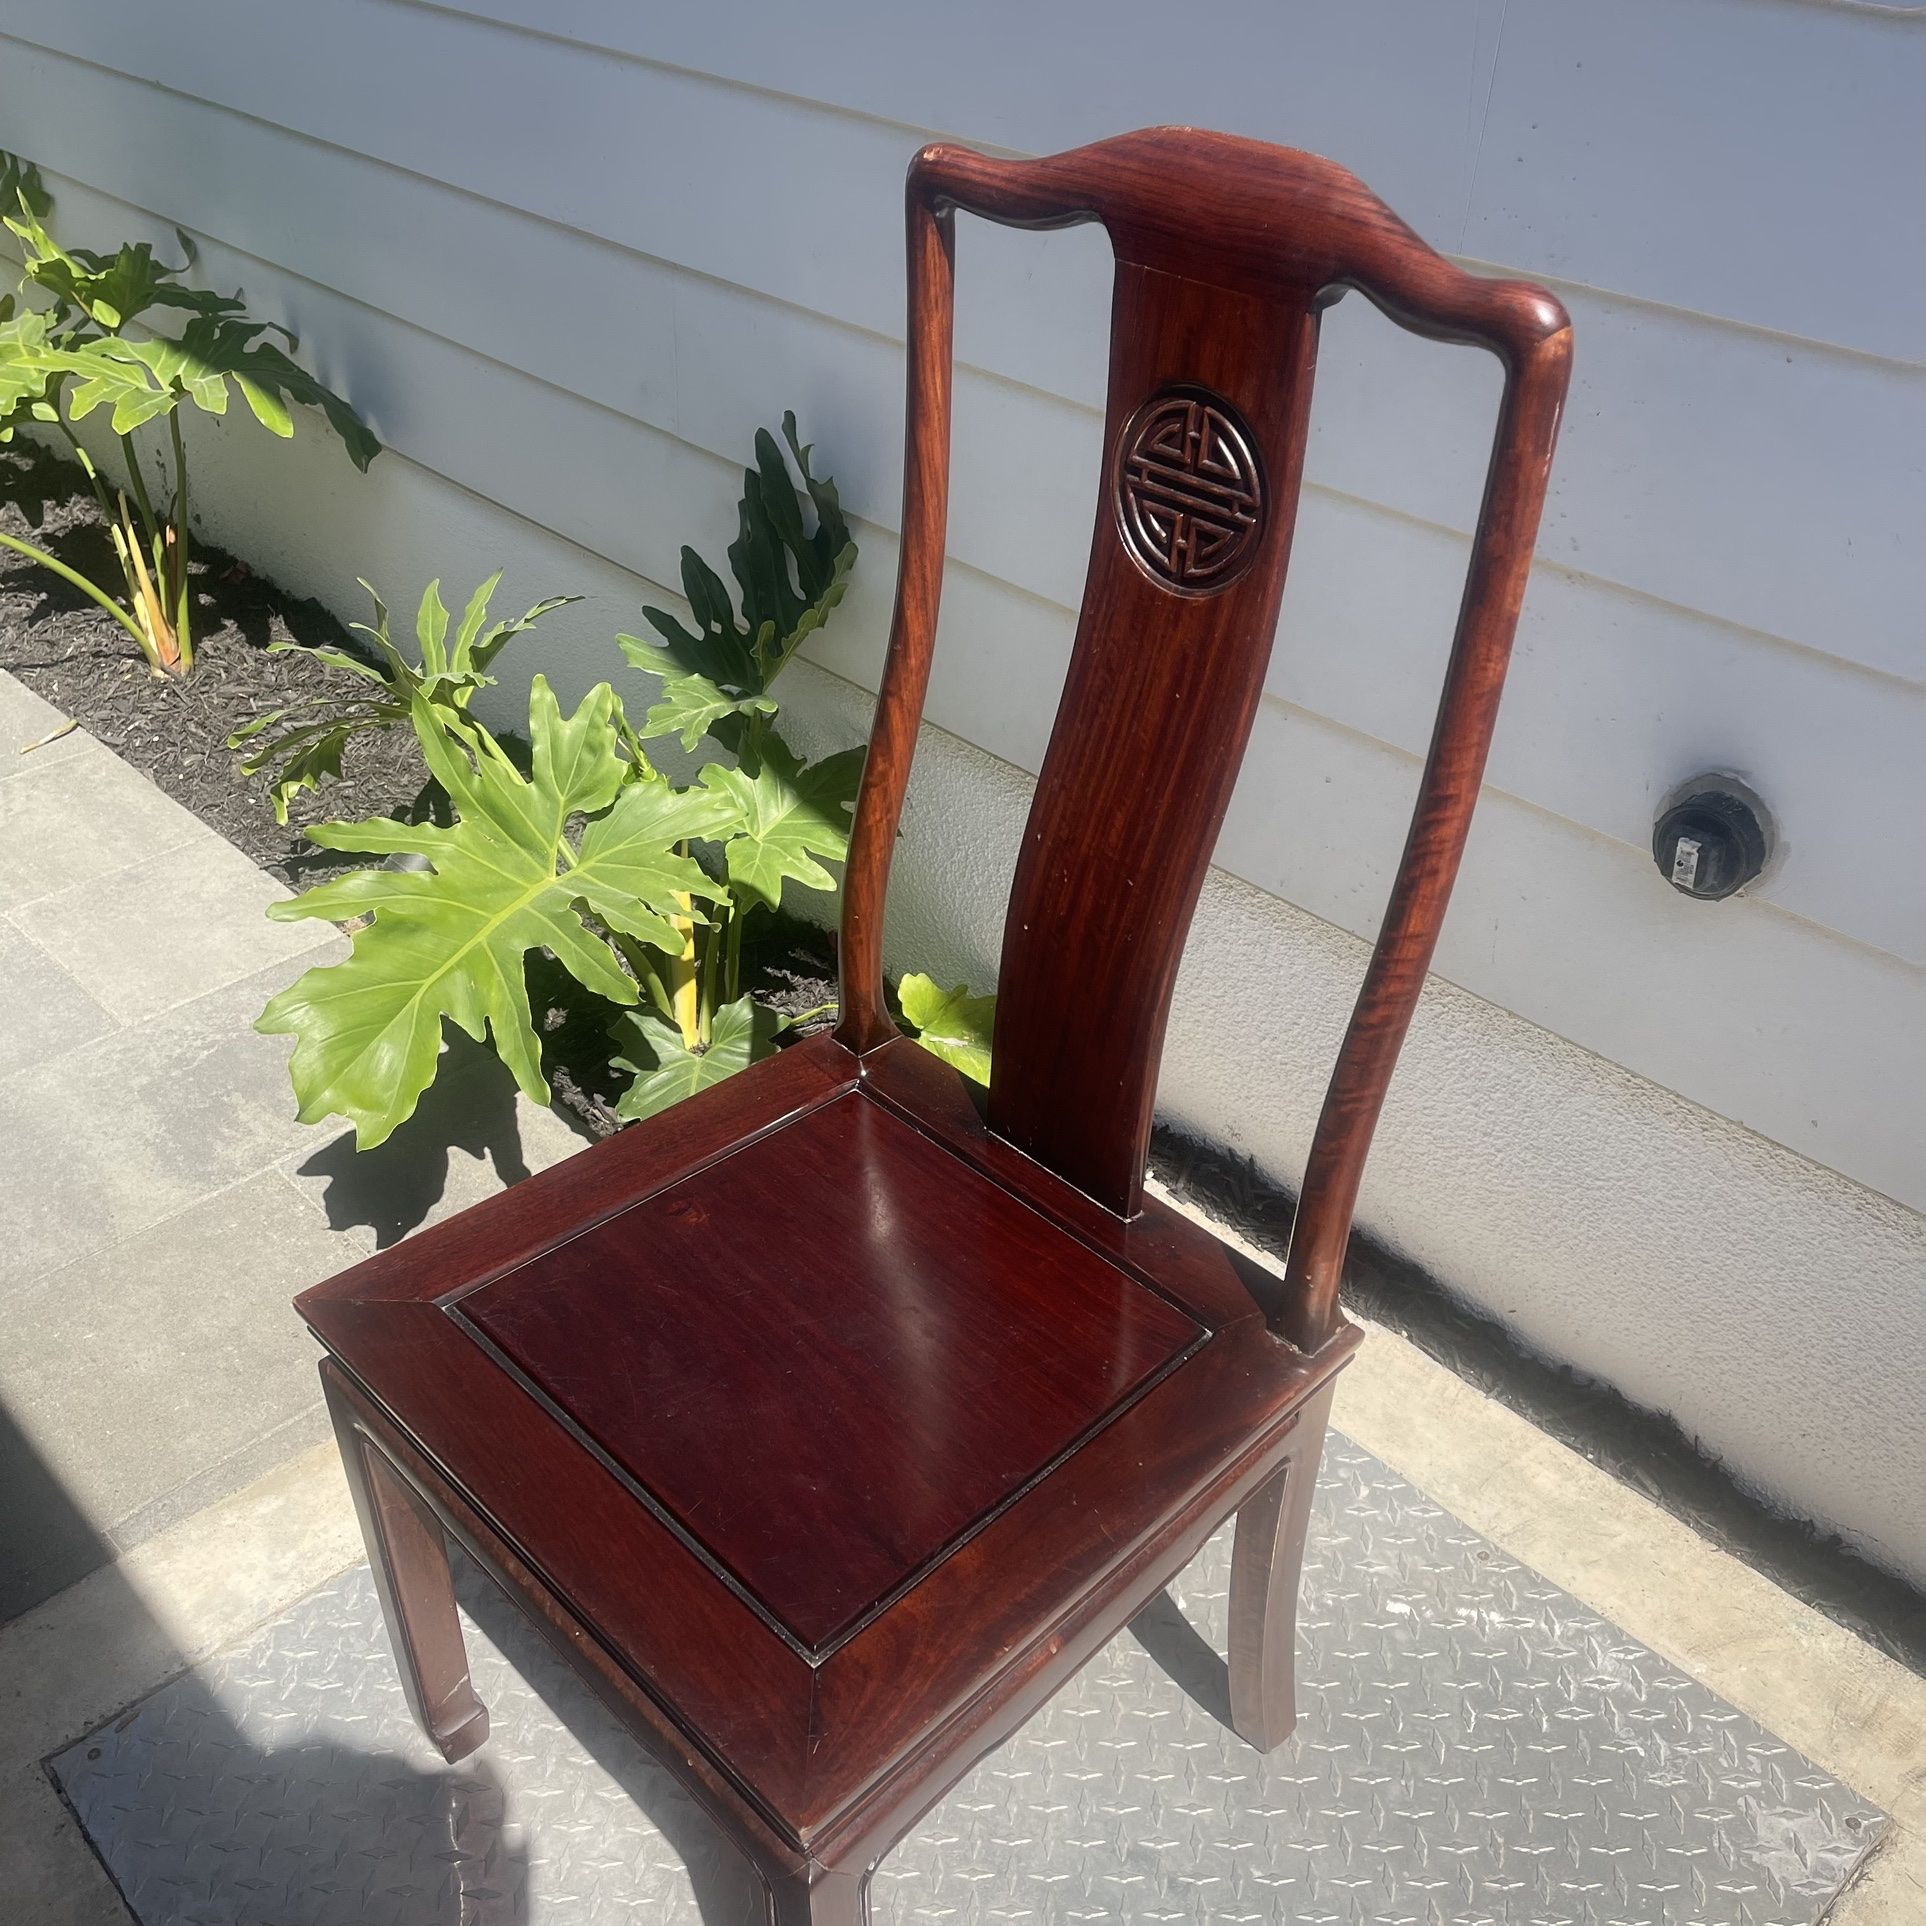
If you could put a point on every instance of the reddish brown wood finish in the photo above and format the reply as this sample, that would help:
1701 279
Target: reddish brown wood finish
825 1427
1227 252
1267 1560
1151 729
827 1751
982 1340
410 1564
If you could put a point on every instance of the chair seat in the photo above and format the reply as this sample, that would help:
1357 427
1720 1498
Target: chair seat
830 1420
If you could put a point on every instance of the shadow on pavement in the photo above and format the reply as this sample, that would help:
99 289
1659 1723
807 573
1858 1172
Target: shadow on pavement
471 1107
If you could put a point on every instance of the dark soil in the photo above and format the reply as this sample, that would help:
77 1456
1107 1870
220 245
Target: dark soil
175 729
787 964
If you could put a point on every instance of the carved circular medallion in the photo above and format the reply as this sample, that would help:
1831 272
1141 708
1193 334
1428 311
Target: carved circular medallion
1189 491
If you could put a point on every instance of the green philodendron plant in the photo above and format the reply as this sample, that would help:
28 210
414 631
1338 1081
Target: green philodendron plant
951 1024
301 745
91 345
508 875
639 887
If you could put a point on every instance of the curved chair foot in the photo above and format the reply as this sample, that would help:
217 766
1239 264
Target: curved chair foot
1266 1563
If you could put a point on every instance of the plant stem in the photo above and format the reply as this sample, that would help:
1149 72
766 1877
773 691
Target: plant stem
711 956
183 606
149 522
684 993
164 653
633 744
79 581
732 960
658 995
127 552
642 963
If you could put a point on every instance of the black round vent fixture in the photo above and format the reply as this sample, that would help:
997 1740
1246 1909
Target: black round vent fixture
1712 838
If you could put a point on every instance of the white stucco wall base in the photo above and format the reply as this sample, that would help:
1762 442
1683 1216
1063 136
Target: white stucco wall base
1772 1307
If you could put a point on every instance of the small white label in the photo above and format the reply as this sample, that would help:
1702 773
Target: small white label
1685 863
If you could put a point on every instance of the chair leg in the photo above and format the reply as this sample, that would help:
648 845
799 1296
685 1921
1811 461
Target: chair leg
409 1558
1266 1563
819 1898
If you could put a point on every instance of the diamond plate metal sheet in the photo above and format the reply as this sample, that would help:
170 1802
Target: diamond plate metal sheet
1474 1749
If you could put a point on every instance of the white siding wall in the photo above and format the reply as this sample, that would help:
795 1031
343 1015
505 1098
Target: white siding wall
567 254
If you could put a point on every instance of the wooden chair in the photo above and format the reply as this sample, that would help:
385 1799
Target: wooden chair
825 1425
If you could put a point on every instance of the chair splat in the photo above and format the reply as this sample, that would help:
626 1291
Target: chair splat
1227 252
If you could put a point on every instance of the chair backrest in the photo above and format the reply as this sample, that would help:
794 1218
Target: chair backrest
1227 252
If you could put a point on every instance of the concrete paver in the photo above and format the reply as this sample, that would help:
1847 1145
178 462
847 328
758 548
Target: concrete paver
163 1203
46 1011
141 1366
165 930
27 722
110 1139
80 815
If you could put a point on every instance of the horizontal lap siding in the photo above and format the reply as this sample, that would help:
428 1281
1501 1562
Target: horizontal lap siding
573 281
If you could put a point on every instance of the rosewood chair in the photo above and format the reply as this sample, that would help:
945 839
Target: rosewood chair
825 1425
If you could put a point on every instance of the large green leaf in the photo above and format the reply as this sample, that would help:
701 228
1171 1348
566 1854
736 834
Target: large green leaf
475 648
791 578
666 1070
717 647
109 289
107 372
451 941
35 362
215 350
141 379
788 817
691 707
24 367
304 754
951 1024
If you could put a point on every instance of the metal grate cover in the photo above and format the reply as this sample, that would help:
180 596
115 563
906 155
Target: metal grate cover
1474 1749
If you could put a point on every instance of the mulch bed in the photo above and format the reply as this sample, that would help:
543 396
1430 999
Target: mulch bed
175 729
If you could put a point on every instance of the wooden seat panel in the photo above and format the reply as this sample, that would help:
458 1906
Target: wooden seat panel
877 1355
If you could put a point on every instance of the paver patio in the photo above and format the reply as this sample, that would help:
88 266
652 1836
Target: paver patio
162 1205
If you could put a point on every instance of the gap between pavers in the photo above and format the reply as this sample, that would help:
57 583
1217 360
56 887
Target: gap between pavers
154 934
